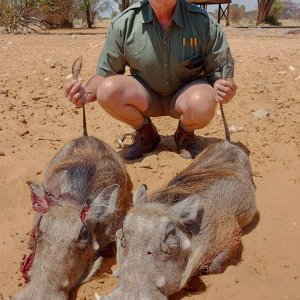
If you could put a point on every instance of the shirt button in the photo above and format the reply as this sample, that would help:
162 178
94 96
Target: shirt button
167 82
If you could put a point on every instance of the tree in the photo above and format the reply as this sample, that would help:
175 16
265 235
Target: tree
277 9
126 3
264 7
86 6
291 10
236 12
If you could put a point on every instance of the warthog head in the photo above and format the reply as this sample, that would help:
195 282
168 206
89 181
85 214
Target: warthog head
152 249
66 240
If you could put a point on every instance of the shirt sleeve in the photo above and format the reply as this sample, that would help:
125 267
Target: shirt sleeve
216 49
111 60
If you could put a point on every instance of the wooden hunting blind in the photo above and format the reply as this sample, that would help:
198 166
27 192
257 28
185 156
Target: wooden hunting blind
222 12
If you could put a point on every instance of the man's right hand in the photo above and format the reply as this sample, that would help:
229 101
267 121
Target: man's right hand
78 95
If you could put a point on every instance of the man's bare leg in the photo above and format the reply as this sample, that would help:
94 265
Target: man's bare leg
196 105
125 99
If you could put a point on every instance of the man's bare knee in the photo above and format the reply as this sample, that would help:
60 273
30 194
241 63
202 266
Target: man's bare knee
197 110
107 93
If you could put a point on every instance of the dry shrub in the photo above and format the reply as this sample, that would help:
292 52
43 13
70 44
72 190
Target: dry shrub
26 16
236 13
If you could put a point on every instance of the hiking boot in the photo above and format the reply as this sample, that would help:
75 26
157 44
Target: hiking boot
145 140
186 143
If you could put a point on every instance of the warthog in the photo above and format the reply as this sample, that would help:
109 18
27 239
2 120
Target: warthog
193 224
79 207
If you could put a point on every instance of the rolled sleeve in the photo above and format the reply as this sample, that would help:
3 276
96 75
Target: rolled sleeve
217 46
111 60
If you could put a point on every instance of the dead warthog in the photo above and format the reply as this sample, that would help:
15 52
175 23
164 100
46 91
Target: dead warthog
79 207
193 224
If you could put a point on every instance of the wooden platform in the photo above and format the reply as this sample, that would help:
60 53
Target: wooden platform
222 12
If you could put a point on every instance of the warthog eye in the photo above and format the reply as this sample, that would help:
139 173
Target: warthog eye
84 238
171 242
121 237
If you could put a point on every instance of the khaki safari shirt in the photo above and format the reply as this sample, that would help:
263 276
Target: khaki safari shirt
164 60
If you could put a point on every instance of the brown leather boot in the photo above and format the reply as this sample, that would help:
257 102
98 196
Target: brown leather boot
145 140
186 143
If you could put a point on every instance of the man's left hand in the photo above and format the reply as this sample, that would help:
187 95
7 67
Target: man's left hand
225 90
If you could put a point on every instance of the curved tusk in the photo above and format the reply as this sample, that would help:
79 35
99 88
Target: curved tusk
186 244
98 297
161 282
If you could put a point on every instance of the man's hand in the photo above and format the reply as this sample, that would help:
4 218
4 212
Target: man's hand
225 89
78 95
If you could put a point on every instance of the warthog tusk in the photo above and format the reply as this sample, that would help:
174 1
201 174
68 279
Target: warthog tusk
98 297
161 282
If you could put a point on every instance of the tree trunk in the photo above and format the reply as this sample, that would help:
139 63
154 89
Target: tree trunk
125 4
264 7
88 17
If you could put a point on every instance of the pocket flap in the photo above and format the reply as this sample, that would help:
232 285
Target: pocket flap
194 62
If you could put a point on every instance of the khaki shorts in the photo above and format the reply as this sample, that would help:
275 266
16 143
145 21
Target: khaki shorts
164 105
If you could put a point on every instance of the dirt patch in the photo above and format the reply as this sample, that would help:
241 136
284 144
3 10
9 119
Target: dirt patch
36 120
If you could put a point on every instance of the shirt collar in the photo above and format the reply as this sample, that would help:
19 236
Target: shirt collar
177 16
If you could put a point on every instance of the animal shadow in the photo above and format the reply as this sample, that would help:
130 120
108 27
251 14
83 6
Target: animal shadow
195 286
109 260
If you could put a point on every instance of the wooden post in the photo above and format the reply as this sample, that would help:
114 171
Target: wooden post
221 13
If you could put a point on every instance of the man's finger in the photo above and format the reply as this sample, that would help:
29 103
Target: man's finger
76 87
70 86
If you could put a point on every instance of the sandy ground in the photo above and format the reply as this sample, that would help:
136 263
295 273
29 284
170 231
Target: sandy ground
36 120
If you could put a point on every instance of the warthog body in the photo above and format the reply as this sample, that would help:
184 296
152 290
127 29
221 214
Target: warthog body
193 224
79 207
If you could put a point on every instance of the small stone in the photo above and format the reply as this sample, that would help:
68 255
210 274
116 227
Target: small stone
150 162
39 172
261 113
236 281
233 129
4 92
281 72
292 68
36 98
2 153
70 76
23 133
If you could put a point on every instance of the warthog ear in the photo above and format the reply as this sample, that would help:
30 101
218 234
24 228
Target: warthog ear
187 209
104 204
140 196
41 199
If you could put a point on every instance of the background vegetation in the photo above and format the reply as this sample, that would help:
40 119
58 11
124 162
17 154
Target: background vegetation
24 16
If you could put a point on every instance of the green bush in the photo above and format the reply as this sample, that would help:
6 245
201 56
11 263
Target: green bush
272 20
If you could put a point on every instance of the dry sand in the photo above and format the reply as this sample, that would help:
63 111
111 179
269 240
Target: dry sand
36 120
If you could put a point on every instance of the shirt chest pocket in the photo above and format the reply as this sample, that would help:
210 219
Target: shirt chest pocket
135 44
192 68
